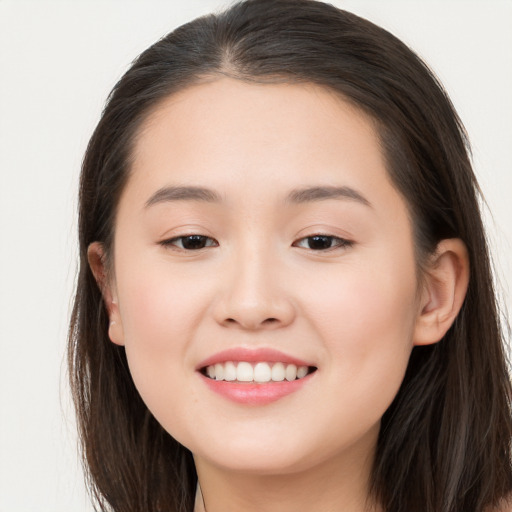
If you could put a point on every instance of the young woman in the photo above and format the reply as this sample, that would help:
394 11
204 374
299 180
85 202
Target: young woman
285 299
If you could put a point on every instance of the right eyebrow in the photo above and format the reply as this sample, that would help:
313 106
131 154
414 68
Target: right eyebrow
182 193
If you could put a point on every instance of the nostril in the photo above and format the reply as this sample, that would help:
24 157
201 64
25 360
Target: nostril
267 321
250 324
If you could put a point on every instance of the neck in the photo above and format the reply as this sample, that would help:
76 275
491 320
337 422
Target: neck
341 483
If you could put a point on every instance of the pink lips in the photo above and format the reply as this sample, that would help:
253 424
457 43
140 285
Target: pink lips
253 393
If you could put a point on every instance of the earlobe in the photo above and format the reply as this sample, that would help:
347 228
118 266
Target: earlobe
445 285
98 265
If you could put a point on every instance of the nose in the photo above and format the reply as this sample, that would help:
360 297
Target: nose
254 296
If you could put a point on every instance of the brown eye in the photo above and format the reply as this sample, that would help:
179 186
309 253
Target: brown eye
190 242
322 242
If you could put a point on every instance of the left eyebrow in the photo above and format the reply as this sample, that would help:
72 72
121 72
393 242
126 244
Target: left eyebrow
310 194
182 193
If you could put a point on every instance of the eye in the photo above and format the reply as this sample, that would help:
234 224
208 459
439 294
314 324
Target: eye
322 242
190 242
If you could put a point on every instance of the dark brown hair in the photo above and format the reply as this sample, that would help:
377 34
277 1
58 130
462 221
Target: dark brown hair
444 444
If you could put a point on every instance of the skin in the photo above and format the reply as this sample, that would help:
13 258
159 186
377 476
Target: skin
354 311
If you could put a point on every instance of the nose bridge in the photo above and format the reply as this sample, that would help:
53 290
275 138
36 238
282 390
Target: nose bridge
254 295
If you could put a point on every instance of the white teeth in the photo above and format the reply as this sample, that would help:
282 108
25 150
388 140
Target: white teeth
229 371
278 372
260 372
244 372
291 372
302 371
219 371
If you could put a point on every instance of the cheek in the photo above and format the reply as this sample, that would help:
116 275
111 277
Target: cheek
159 304
160 313
366 320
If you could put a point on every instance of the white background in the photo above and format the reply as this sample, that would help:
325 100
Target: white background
58 61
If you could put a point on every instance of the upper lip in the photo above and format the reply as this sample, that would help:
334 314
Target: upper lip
268 355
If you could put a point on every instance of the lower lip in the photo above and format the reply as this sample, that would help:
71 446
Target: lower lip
255 394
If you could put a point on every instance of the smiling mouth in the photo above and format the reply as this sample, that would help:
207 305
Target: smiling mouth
258 373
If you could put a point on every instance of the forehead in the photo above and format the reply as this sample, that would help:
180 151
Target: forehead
232 135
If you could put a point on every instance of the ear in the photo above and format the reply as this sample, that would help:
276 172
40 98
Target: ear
97 261
444 289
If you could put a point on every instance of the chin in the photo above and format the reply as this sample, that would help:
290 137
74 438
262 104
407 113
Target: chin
283 453
257 463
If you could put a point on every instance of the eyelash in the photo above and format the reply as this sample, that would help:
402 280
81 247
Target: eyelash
206 241
173 242
339 243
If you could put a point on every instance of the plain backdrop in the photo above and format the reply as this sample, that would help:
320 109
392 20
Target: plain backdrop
58 61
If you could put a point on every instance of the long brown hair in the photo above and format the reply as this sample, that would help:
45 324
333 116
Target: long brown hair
444 444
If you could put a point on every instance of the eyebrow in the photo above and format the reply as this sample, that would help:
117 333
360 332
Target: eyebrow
310 194
182 193
297 196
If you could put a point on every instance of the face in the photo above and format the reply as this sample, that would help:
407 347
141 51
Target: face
259 238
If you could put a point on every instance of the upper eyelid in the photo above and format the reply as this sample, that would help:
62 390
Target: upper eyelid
299 238
345 241
184 235
328 235
177 237
170 240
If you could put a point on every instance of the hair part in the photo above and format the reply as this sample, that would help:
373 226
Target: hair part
444 444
